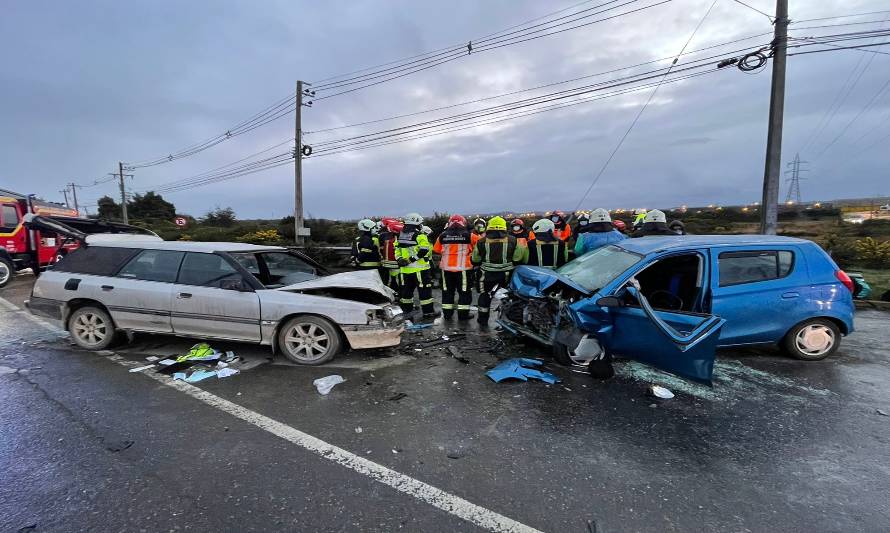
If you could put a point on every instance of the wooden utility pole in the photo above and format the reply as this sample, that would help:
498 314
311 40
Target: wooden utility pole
298 168
65 192
120 167
769 209
74 194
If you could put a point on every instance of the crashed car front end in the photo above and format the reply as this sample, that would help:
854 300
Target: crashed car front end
362 307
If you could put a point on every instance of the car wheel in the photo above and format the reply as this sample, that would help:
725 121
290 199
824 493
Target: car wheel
7 272
813 340
309 340
561 354
91 328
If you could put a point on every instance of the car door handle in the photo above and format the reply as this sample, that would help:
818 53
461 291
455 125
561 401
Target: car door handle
107 287
790 295
184 295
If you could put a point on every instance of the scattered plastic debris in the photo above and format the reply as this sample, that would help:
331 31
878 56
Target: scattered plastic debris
179 375
200 375
417 327
152 358
225 372
199 352
325 384
358 430
520 368
141 368
396 397
660 392
117 446
882 413
167 362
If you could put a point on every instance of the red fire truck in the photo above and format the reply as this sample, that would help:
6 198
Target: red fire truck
22 248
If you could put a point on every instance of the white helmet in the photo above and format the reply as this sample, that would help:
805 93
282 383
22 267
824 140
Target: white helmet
366 224
600 215
655 216
543 226
413 219
426 230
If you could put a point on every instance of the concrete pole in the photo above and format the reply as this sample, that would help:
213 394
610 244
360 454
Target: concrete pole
298 168
769 209
120 167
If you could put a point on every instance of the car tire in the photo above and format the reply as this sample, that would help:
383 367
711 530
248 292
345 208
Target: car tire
7 272
561 354
812 340
309 340
92 328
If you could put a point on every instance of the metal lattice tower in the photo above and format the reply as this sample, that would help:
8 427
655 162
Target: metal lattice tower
794 168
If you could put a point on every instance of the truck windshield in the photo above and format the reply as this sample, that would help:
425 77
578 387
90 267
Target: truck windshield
595 269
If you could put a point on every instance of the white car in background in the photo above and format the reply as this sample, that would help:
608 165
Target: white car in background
232 291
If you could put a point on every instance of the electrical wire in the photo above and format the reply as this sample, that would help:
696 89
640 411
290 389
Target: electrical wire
636 119
862 111
767 15
840 17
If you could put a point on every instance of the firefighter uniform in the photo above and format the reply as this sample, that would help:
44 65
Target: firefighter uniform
412 252
389 264
455 246
496 254
545 250
366 251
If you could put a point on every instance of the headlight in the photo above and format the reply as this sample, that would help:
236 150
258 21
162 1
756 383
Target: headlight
392 311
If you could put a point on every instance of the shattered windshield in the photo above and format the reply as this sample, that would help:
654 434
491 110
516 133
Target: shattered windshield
276 269
596 269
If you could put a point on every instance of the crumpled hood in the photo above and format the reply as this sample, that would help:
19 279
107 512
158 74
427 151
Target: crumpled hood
532 281
359 279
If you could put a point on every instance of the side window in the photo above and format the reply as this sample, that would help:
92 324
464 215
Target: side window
206 270
95 260
9 218
754 266
153 265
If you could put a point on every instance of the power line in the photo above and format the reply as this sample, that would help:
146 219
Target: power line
840 17
862 111
640 113
767 15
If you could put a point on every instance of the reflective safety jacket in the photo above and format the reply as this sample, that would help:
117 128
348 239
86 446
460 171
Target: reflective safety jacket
547 254
366 250
498 252
563 234
413 246
456 248
594 240
388 258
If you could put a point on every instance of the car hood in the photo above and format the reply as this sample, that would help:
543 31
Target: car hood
532 281
354 282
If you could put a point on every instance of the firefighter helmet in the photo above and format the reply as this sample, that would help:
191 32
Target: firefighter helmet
543 226
366 224
600 215
496 224
655 215
619 225
413 219
457 220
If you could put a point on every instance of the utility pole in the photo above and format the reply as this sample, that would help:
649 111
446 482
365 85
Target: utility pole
769 212
74 194
120 168
299 230
65 192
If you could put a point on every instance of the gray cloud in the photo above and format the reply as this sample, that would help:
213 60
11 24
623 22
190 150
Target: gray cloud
87 84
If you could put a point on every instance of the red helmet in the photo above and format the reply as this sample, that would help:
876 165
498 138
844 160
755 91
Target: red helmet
619 225
392 224
557 216
518 222
457 220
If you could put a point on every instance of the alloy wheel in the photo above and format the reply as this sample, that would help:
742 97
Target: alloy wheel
307 341
90 328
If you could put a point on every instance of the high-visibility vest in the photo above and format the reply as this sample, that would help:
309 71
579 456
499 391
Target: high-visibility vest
547 254
456 249
414 246
498 254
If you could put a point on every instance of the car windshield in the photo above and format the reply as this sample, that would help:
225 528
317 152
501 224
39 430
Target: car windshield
595 269
276 269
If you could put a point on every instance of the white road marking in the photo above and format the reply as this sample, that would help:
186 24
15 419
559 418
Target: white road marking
425 492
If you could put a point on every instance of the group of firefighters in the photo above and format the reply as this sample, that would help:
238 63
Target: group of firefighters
483 256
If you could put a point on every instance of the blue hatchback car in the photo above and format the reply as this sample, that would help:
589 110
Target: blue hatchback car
672 301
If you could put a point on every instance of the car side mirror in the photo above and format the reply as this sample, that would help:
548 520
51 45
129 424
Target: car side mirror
609 301
233 284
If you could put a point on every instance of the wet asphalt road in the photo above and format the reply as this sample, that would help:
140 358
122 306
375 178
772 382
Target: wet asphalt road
776 445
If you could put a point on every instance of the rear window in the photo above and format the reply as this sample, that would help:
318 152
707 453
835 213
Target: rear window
153 265
95 260
750 267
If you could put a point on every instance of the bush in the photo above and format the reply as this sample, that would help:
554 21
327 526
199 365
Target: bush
268 236
873 253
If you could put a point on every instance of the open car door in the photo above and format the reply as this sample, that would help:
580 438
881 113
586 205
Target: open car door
678 342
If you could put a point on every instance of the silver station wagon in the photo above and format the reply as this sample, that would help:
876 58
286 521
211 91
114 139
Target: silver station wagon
209 290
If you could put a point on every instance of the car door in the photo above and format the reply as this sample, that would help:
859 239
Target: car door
139 296
211 299
758 290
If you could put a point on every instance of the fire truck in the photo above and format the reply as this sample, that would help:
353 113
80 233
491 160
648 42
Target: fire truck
39 245
21 248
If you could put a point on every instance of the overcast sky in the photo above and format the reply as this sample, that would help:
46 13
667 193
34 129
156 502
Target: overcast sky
86 84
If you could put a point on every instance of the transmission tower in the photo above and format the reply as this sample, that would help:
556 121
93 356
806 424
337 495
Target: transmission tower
794 168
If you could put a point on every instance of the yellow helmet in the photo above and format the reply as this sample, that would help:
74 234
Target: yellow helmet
497 224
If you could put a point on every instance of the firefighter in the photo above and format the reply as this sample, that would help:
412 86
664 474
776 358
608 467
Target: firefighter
366 247
455 246
413 251
655 223
496 254
479 227
546 250
678 227
600 233
517 230
583 226
639 216
620 226
478 232
389 265
561 228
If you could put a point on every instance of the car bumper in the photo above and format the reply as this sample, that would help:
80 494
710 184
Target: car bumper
363 337
45 307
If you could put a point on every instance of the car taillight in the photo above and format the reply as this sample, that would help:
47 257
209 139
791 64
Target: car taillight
845 279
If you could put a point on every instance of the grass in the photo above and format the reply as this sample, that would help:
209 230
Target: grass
878 279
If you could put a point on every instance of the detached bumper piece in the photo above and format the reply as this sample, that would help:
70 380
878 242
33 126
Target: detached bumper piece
521 369
372 336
